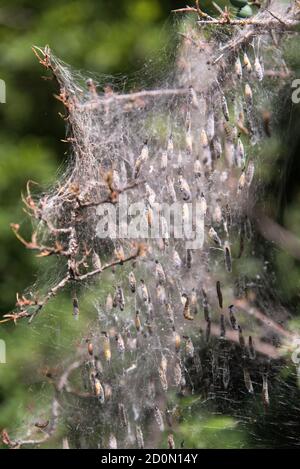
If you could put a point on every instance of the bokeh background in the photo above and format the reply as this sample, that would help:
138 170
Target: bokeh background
112 38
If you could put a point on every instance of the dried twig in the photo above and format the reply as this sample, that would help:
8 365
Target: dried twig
66 280
279 235
267 321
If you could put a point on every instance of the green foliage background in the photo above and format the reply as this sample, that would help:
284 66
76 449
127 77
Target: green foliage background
106 37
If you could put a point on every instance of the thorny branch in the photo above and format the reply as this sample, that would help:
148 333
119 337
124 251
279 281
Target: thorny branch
264 25
66 280
226 19
265 22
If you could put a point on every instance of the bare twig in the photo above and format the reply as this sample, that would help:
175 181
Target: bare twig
131 97
276 17
264 348
15 316
289 25
267 321
279 235
185 10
